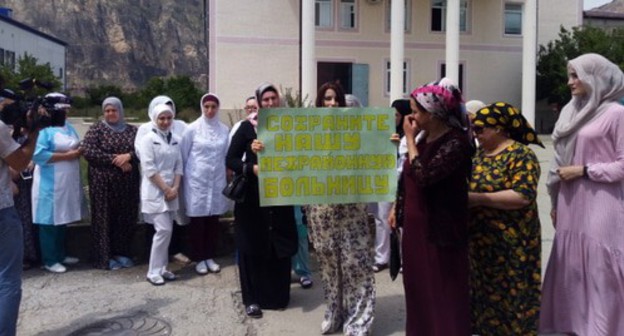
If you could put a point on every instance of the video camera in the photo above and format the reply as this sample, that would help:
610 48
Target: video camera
30 111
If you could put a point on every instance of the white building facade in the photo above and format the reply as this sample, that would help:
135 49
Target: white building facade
253 41
17 39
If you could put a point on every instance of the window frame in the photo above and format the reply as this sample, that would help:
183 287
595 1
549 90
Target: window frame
506 12
406 77
354 13
462 74
317 16
407 29
465 7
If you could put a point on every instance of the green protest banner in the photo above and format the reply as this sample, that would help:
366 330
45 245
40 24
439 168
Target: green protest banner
326 156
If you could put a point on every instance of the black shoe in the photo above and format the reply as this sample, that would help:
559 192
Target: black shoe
254 311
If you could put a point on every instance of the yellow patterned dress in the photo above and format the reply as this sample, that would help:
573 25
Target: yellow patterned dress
505 246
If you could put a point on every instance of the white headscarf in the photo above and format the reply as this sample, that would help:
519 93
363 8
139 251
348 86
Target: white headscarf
210 124
120 125
160 100
157 111
604 85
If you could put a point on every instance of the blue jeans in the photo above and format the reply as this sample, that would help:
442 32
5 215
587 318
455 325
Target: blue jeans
11 255
300 261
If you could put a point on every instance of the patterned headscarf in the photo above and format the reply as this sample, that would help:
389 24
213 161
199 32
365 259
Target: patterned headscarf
120 125
507 118
444 100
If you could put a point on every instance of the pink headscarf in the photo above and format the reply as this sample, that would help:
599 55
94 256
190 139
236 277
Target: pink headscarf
443 99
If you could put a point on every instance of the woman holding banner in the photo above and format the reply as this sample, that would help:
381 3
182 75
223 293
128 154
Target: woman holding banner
344 239
432 205
266 237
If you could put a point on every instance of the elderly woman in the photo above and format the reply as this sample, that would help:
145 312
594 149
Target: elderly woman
56 191
114 180
204 146
161 164
343 239
582 292
504 230
266 237
433 205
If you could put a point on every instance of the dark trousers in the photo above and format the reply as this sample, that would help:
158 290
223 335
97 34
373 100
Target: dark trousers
204 237
264 279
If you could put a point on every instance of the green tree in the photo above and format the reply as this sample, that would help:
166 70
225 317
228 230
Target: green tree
183 92
97 94
552 61
28 66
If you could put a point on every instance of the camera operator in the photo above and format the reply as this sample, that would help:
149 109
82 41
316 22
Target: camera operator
11 242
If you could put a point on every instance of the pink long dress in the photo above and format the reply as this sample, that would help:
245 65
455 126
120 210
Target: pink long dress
583 290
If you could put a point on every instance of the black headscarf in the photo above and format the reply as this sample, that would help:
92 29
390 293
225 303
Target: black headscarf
403 107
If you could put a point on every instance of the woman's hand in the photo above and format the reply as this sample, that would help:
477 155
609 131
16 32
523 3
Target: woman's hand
126 168
473 199
410 126
75 153
570 173
255 169
257 146
395 138
392 219
171 194
553 217
121 159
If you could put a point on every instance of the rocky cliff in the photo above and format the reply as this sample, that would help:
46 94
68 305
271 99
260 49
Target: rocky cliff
119 42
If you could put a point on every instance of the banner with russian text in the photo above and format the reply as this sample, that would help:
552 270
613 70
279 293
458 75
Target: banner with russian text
326 156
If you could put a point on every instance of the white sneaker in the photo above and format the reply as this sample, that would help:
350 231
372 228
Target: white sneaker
156 280
201 268
56 268
70 260
213 266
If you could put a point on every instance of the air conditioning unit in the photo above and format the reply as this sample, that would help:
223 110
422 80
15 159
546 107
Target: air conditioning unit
374 2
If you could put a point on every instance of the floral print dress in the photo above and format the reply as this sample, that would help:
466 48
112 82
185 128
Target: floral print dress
505 246
114 194
343 238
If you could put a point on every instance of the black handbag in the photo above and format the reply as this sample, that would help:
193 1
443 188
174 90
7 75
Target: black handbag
395 253
235 190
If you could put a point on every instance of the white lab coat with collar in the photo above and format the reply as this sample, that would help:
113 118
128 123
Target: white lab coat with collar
158 156
204 147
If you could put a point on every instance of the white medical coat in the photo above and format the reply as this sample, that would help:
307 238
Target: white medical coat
204 147
158 156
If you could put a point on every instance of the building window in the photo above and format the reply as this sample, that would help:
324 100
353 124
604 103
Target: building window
461 74
408 15
60 73
513 19
9 59
1 56
406 80
438 15
323 13
348 14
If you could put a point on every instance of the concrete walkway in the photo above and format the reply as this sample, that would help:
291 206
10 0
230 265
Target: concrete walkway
85 301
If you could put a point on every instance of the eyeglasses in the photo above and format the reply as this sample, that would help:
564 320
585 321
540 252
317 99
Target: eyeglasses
477 129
